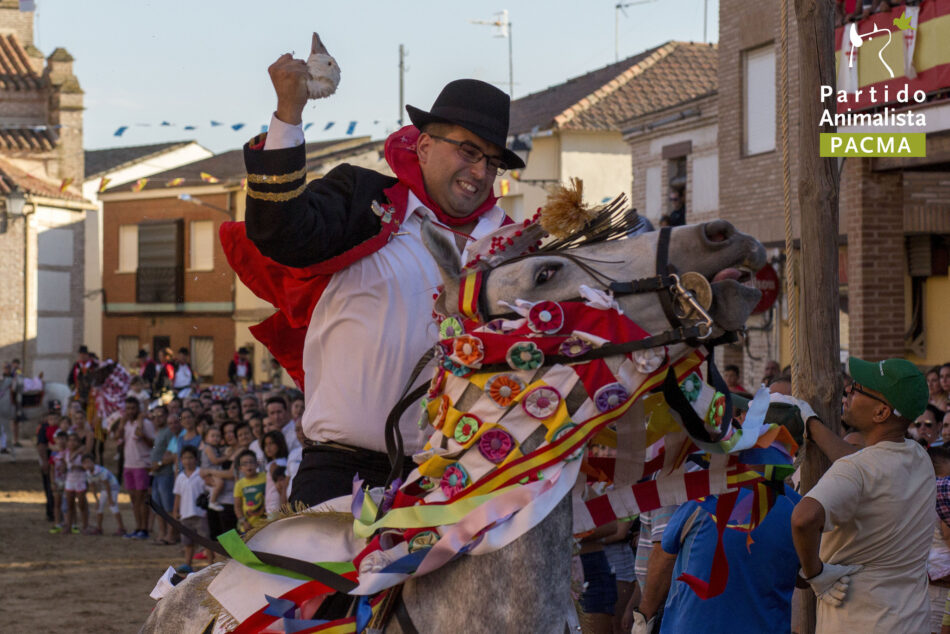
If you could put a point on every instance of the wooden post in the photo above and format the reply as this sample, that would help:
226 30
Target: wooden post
818 338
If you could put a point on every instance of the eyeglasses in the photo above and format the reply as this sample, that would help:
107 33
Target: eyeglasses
854 387
472 154
925 424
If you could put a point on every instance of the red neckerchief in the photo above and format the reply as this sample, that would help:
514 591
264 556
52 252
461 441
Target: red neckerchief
400 152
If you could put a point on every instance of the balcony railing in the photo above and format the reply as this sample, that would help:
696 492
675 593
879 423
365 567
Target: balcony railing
160 285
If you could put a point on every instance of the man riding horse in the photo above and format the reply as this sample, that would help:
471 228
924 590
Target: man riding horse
353 237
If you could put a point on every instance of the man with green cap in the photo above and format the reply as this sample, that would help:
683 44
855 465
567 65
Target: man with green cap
875 506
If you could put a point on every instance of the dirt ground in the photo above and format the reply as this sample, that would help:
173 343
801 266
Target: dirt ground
69 583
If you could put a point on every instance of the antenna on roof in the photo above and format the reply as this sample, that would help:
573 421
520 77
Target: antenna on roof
620 6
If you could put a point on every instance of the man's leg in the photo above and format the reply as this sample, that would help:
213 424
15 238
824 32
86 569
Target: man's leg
48 490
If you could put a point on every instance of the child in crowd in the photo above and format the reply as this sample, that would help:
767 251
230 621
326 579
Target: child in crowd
188 486
214 455
275 452
75 485
249 492
105 487
57 460
137 390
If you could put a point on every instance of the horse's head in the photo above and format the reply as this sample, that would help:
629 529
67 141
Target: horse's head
724 257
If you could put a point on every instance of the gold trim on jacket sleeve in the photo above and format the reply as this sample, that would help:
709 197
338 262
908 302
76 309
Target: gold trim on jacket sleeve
276 179
276 197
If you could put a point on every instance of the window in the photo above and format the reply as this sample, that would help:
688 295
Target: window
159 343
202 357
758 100
128 248
201 256
160 274
127 350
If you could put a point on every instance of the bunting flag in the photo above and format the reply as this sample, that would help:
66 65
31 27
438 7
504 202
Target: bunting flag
63 186
103 183
214 123
139 184
208 178
504 187
175 182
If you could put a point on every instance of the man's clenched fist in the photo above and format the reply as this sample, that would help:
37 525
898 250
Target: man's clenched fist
289 77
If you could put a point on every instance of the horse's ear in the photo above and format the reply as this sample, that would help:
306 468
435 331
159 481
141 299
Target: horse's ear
447 258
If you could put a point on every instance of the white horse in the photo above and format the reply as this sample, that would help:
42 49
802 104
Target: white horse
11 391
523 587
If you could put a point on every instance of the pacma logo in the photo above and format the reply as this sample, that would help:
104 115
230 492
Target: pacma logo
902 23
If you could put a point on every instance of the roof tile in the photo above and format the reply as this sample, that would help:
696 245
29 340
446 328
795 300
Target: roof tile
15 70
38 139
600 100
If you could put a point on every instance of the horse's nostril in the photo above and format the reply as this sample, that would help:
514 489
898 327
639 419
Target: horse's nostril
718 231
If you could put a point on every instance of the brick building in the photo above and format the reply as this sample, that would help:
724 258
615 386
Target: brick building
673 136
115 167
893 212
41 208
165 278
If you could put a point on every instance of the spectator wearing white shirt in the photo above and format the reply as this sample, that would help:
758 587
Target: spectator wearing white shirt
184 381
188 486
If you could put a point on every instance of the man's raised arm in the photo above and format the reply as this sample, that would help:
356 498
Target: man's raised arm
289 221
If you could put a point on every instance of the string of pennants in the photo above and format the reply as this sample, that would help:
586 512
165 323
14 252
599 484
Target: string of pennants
140 184
236 127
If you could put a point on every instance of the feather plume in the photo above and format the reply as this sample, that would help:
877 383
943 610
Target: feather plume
565 213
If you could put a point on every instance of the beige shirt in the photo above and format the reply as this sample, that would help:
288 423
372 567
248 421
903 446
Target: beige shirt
880 512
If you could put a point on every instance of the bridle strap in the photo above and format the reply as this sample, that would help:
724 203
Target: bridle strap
663 269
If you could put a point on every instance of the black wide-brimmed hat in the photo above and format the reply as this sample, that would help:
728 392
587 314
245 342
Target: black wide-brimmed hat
476 106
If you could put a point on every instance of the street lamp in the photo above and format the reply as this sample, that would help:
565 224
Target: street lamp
13 208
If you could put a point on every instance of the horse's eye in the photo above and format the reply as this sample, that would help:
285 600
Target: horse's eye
545 273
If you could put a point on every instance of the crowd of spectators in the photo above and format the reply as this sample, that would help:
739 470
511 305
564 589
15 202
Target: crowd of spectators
214 458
